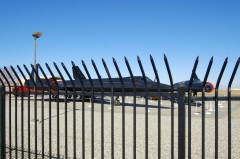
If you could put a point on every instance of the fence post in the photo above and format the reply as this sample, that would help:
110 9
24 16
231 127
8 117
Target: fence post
181 121
2 122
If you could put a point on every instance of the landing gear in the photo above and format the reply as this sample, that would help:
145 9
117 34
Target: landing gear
116 101
69 96
54 97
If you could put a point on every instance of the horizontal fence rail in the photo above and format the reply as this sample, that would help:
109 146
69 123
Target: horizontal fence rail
61 113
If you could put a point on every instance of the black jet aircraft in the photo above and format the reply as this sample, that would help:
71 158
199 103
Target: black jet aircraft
129 87
106 85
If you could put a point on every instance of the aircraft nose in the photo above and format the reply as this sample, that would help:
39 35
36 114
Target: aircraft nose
209 87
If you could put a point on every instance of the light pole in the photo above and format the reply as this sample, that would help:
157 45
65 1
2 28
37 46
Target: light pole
35 36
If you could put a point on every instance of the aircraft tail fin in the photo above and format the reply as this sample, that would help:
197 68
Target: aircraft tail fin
195 76
77 72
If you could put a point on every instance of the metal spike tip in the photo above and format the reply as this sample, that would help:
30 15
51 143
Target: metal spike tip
151 57
83 62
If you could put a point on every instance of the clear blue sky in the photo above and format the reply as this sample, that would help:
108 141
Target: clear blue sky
84 30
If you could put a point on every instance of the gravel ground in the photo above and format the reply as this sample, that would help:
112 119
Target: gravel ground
140 126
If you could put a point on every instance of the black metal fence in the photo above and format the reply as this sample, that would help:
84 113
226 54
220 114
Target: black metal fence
76 118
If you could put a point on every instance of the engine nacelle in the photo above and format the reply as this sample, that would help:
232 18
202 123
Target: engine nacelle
209 87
